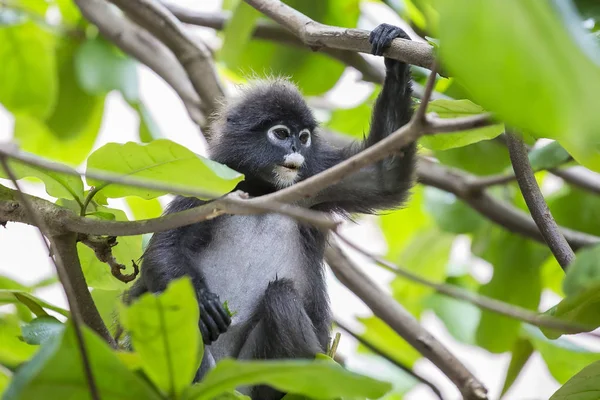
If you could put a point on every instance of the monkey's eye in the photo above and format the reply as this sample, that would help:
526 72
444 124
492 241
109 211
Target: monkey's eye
280 132
304 137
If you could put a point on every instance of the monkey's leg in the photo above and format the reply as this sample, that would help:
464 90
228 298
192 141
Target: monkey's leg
282 330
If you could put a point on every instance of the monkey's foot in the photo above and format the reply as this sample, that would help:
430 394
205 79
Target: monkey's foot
214 319
382 36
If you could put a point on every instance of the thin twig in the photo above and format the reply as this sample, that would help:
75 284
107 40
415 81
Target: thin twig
392 360
582 178
422 109
483 302
63 274
535 202
316 35
403 323
102 247
193 54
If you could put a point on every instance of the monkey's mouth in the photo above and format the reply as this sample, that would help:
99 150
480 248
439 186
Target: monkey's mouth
291 167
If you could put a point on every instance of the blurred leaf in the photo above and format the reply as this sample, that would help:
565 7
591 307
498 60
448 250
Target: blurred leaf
583 272
148 128
13 350
516 280
314 73
106 302
159 161
400 225
539 99
482 158
144 209
563 357
41 329
68 11
450 213
97 274
35 304
238 32
100 68
69 133
56 372
588 8
548 156
456 109
520 354
355 121
318 379
583 386
553 276
38 7
164 332
5 376
57 184
427 255
576 209
28 73
22 310
459 317
382 336
582 307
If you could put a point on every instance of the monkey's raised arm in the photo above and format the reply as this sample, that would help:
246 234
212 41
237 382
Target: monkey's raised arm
385 184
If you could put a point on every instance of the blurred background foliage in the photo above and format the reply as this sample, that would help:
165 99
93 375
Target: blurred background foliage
534 63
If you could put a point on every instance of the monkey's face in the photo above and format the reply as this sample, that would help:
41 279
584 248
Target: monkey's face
291 143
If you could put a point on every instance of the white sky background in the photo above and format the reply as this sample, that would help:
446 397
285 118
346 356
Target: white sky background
25 259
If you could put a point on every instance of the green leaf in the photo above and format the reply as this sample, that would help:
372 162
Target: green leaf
482 158
128 248
238 32
317 379
164 332
539 99
56 372
41 329
314 73
455 109
159 161
101 68
69 11
69 133
57 184
576 209
35 304
28 73
382 336
549 156
148 128
520 354
582 307
5 376
584 272
13 351
106 302
563 357
353 121
144 209
583 386
450 213
517 263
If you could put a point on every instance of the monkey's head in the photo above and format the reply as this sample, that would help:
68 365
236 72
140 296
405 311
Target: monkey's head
267 133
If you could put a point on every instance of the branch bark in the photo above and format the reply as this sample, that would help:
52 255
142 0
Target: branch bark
317 35
535 202
403 323
144 47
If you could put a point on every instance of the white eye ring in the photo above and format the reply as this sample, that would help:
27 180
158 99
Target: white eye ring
273 136
305 131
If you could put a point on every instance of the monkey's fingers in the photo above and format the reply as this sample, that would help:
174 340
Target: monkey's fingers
213 329
215 312
204 332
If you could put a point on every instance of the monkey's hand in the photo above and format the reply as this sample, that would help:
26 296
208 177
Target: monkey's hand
214 318
381 37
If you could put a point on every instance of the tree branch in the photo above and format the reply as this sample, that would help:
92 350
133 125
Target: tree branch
535 202
102 247
194 55
403 323
317 35
384 355
141 45
583 178
483 302
498 211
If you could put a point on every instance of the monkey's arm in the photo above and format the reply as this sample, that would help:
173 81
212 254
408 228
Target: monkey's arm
385 184
171 255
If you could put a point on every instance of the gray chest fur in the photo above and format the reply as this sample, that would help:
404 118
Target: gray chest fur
244 255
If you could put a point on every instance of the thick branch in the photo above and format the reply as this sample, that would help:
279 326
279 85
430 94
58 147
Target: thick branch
141 45
316 35
535 202
583 178
498 211
194 55
403 323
